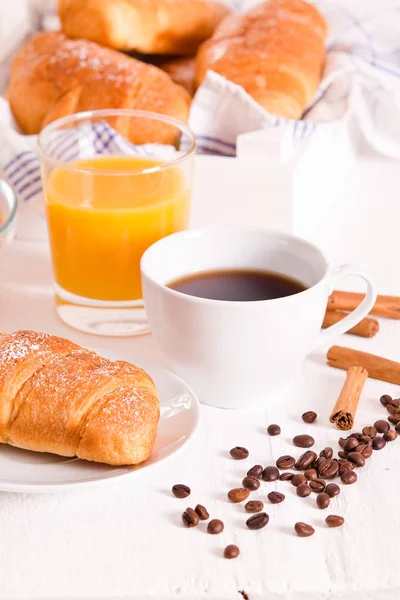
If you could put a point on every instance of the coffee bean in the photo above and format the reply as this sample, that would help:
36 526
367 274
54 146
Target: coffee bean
394 419
257 521
397 428
202 512
238 495
356 458
270 474
392 409
381 426
329 469
390 435
255 471
298 479
231 551
385 399
305 461
332 490
365 439
348 477
190 518
309 416
323 500
180 490
254 506
395 402
334 521
350 444
303 490
342 454
274 429
276 497
285 462
317 485
311 474
303 441
342 441
326 453
239 453
215 526
346 466
356 434
251 483
304 530
370 431
286 476
378 443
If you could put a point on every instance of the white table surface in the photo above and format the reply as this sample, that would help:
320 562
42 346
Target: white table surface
126 540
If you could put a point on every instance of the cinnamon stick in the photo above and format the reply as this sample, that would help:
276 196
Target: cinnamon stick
385 306
377 366
365 328
345 409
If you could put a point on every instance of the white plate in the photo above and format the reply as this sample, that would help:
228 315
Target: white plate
35 472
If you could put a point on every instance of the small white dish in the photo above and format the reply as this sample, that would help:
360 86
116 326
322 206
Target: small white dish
38 473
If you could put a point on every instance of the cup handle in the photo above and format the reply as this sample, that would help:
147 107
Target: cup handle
327 335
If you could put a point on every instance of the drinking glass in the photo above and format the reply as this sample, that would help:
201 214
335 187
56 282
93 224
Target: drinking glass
114 182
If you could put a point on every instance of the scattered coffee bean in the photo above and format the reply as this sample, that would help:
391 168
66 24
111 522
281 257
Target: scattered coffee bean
257 521
311 474
348 477
254 506
394 419
255 471
317 485
190 518
270 474
251 483
303 490
303 441
378 442
238 495
303 529
215 526
390 435
202 512
342 454
385 399
231 551
276 497
356 434
286 476
334 521
393 409
298 479
329 469
305 461
346 466
341 442
326 453
370 431
180 491
381 426
397 428
309 417
350 444
356 458
274 429
366 451
365 439
239 453
323 500
285 462
395 402
332 490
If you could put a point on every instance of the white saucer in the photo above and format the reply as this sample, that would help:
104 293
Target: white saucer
35 472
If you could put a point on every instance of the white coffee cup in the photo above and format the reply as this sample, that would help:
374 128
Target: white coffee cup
238 354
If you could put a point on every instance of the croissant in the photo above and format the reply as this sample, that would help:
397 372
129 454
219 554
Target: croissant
58 397
53 77
148 26
275 51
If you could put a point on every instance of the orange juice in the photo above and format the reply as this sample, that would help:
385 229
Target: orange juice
103 213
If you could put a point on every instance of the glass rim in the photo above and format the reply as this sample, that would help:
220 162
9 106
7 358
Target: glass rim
7 191
107 112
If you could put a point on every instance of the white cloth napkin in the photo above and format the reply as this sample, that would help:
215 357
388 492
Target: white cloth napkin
359 94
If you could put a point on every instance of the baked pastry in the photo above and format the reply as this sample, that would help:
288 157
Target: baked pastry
60 398
148 26
276 52
182 71
52 77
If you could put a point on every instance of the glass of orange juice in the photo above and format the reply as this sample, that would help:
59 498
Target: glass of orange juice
114 182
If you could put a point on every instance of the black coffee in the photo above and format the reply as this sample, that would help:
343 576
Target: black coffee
238 285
